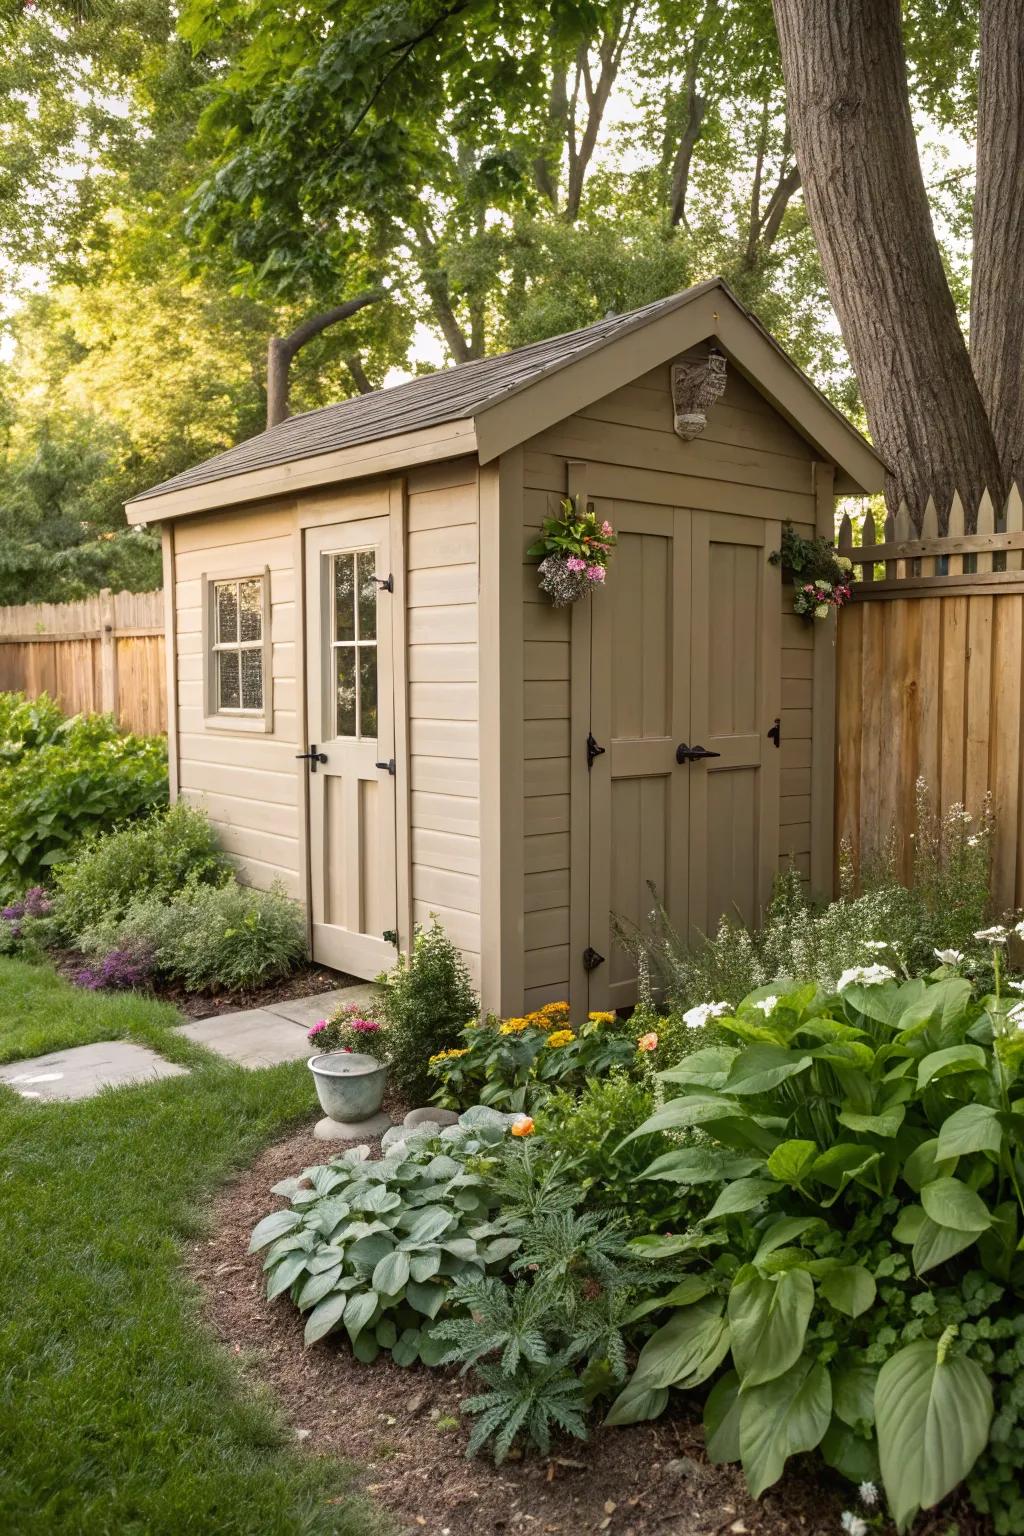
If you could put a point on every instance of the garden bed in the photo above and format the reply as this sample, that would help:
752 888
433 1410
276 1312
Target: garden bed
404 1428
306 981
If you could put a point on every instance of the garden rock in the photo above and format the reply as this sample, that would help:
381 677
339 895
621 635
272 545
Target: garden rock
82 1070
430 1114
354 1130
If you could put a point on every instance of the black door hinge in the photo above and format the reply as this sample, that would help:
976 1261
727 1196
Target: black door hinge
389 765
591 958
593 750
775 734
390 936
386 583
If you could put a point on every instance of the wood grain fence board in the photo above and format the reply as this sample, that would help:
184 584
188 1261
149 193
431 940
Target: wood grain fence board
979 702
1005 740
953 714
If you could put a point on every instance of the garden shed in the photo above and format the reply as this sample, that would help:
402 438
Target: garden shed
378 707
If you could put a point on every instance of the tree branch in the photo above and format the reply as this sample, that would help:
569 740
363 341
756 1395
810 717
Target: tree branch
281 350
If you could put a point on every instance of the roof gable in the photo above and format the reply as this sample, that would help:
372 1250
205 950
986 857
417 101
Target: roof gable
497 402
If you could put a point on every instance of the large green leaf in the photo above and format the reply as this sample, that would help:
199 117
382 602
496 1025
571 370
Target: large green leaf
637 1402
932 1415
924 1164
703 1069
784 1231
317 1287
885 1005
850 1289
955 1058
934 1244
425 1297
359 1311
687 1349
760 1068
689 1109
325 1316
273 1226
391 1273
768 1318
286 1273
853 1394
974 1128
842 1162
791 1161
849 1453
741 1195
722 1420
952 1203
885 1123
781 1418
700 1165
942 1007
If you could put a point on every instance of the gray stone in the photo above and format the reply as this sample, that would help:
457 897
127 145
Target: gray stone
682 1466
307 1011
83 1070
338 1130
253 1038
431 1115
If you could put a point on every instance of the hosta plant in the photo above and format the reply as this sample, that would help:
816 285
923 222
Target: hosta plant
856 1149
376 1245
516 1063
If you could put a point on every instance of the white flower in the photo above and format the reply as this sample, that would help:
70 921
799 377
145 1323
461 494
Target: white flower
1015 1015
868 1493
865 976
821 611
877 944
1019 930
854 1525
948 956
843 563
767 1005
995 935
973 842
1015 986
697 1017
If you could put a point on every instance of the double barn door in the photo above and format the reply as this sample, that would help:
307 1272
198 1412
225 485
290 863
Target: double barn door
685 689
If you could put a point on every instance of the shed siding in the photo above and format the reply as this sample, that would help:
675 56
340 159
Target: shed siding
246 781
747 461
442 558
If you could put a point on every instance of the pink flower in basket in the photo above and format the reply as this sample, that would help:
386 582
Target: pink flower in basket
574 563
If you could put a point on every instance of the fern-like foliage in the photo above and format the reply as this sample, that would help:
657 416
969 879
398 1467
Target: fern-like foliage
529 1193
527 1401
502 1320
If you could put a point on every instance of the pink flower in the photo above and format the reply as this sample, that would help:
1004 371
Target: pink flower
595 573
574 563
607 529
366 1026
647 1042
320 1025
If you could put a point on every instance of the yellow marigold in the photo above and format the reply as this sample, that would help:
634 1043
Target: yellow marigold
560 1037
559 1011
447 1055
513 1026
602 1018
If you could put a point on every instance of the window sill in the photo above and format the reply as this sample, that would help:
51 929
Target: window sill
240 725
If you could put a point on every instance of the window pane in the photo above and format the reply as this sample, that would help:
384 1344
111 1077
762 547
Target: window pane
367 690
251 593
345 680
344 598
227 680
227 612
367 571
252 679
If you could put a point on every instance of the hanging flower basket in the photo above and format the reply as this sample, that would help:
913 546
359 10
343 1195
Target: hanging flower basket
573 551
821 578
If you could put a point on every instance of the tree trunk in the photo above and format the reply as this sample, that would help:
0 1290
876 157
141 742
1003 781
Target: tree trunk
997 286
849 109
282 349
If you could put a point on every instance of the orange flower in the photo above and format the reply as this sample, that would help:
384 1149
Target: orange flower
523 1126
647 1042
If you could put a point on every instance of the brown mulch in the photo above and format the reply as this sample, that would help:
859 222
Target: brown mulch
306 981
404 1429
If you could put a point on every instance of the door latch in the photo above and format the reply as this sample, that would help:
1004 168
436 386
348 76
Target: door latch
593 750
386 583
389 765
312 757
775 733
685 754
390 936
591 958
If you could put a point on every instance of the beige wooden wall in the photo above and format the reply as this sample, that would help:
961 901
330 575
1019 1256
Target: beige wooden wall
102 653
747 461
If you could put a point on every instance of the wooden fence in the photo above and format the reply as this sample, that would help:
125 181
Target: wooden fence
102 653
931 680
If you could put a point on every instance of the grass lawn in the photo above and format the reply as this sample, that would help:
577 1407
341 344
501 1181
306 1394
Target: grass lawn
117 1414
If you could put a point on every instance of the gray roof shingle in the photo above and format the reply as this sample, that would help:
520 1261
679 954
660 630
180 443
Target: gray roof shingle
451 394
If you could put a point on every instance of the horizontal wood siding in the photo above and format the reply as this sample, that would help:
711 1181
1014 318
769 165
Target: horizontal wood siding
797 723
248 781
443 575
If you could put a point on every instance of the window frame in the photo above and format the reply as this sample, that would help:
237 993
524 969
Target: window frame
357 644
214 716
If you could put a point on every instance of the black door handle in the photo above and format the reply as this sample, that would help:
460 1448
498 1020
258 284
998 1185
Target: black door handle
312 757
685 754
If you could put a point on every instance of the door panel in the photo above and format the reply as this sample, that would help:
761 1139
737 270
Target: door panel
734 699
351 718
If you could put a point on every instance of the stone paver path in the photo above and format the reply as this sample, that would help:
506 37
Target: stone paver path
263 1037
83 1070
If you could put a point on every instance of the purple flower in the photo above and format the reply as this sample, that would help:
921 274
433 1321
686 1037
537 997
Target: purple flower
37 903
119 971
574 563
595 573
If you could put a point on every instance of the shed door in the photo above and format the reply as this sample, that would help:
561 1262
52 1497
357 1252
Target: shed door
685 652
351 719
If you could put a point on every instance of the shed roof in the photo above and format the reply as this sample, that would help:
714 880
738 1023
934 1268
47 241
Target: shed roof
469 391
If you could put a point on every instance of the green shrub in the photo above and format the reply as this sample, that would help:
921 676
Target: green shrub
515 1064
27 724
231 937
154 858
378 1245
861 1157
53 797
426 1000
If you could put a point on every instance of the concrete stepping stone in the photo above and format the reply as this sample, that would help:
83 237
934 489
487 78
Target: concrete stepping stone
253 1038
351 1130
308 1010
83 1070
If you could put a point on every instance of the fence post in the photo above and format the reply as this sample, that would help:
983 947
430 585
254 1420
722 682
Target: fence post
108 654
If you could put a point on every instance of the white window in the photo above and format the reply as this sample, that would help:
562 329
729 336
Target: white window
354 643
238 647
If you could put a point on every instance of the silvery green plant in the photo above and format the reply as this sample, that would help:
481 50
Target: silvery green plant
377 1245
842 1131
